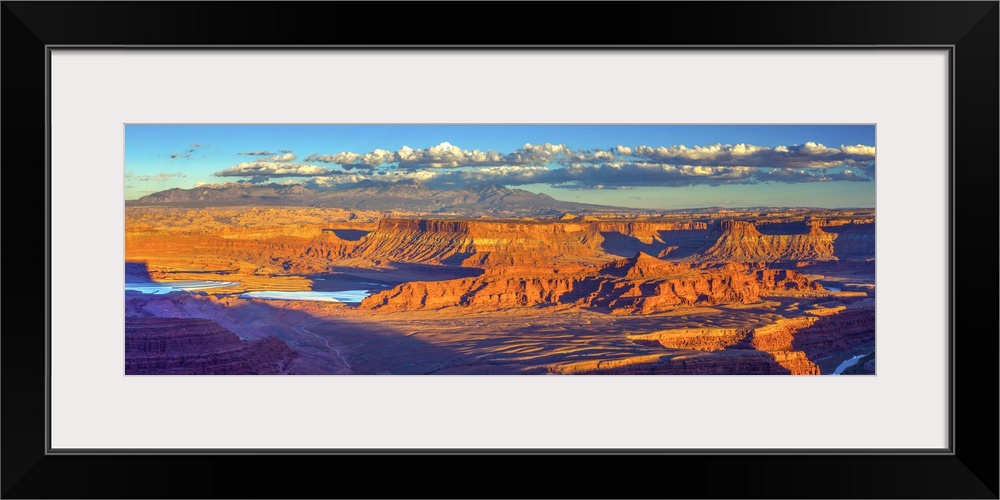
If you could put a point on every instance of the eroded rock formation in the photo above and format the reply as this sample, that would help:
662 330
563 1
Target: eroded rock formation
742 242
640 285
776 340
187 346
837 334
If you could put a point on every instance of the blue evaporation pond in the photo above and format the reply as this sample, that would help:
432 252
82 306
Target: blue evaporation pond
162 287
345 296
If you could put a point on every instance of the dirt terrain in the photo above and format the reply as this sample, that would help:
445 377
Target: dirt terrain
714 292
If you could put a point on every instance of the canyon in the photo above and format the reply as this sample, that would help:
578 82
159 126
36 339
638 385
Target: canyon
530 287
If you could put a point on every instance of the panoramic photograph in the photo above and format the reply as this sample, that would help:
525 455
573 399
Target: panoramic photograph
413 249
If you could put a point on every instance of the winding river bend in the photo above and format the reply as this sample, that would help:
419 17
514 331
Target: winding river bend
848 363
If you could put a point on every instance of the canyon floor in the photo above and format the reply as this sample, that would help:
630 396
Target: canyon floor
366 292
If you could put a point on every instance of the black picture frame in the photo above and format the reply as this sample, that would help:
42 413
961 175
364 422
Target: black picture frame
970 29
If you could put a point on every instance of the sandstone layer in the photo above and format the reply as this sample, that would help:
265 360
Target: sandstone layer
710 292
640 285
187 346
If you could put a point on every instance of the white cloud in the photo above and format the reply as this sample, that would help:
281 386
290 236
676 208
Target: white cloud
746 150
444 155
262 170
287 157
596 156
342 158
448 165
812 148
858 149
379 157
538 154
808 155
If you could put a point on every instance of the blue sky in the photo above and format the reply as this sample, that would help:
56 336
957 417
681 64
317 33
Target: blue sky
648 166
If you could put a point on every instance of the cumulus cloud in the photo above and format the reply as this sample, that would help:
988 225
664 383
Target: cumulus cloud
444 155
808 155
378 157
441 178
618 167
858 149
578 176
812 148
287 157
539 154
594 156
345 159
260 171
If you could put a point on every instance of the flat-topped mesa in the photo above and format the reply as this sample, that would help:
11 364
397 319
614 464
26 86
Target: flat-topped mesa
640 285
738 228
423 225
505 243
549 244
479 243
643 265
645 231
742 242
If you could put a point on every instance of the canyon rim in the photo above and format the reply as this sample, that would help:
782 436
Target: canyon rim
499 249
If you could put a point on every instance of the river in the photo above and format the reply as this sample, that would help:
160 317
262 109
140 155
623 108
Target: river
848 363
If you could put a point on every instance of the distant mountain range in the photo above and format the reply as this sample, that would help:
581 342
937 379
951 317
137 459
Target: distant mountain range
407 195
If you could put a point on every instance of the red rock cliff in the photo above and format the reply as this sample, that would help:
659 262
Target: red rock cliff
184 346
640 285
742 242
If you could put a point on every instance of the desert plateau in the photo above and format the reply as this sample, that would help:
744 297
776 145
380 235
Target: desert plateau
405 277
